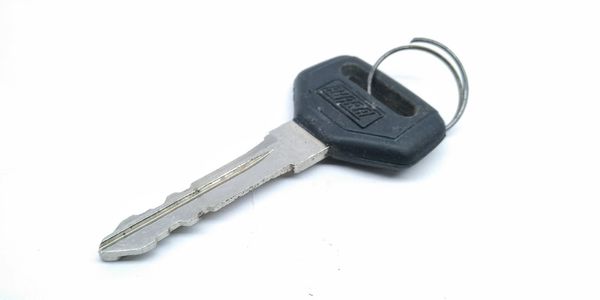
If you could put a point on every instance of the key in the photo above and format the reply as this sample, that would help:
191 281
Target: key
334 117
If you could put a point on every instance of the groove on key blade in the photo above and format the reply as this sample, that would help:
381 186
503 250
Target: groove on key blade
185 199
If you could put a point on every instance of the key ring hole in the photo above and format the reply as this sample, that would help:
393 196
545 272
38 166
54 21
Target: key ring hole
457 70
382 92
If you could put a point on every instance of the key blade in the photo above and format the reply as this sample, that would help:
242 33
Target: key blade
286 148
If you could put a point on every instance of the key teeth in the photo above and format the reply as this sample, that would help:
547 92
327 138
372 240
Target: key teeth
126 223
172 197
185 223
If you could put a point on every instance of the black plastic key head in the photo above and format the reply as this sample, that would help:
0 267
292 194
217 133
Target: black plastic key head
392 128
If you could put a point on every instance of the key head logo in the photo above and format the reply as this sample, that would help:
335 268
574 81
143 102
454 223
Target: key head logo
355 107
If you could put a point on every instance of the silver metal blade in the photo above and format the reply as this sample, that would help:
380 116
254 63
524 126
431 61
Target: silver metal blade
286 148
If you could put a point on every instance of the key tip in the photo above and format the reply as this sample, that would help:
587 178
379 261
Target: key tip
114 251
108 257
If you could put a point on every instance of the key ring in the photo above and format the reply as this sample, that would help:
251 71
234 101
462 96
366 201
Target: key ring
459 75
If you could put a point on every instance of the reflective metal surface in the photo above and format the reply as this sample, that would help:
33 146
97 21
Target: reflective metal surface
287 148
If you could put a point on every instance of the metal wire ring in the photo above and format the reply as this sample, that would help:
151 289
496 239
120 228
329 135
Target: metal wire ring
459 75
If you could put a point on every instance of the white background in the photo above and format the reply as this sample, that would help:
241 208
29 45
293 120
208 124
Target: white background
106 107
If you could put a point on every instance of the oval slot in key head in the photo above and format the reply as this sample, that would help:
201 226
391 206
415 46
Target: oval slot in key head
393 128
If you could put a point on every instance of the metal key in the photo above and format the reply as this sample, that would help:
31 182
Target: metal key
334 117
